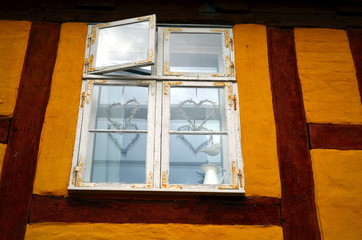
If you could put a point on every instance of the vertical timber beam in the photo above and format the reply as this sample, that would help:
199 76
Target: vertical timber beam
299 217
20 160
355 43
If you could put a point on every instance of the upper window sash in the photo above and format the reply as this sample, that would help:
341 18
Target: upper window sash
198 52
121 45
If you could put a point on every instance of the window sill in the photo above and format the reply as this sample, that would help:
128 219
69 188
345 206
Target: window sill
78 191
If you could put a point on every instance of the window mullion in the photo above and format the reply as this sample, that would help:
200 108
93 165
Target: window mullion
157 142
165 135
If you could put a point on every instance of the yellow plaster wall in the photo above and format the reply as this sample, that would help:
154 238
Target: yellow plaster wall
13 42
58 134
60 231
2 154
328 76
337 178
258 132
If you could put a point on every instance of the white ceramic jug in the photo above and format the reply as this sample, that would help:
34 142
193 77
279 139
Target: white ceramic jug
211 171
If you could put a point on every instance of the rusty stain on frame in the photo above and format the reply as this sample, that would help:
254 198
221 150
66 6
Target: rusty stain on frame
148 18
149 182
164 180
149 58
88 89
169 30
93 35
175 187
228 39
234 173
231 96
78 173
88 63
219 84
229 69
152 83
166 71
166 86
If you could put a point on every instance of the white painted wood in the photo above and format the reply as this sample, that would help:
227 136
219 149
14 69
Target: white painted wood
161 78
196 75
76 151
158 129
157 136
151 45
165 155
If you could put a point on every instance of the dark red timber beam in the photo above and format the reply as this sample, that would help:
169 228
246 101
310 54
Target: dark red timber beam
335 136
299 217
355 43
5 123
198 210
20 160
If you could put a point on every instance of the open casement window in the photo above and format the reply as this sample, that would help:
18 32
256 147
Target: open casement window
159 136
197 52
121 45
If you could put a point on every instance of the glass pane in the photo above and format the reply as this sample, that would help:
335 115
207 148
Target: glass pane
197 109
191 157
122 44
119 107
196 52
117 158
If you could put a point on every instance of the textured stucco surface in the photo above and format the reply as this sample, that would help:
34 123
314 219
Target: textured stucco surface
60 231
2 154
328 76
13 42
258 133
58 134
338 187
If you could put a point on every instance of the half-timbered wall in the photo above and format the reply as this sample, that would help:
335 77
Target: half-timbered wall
301 130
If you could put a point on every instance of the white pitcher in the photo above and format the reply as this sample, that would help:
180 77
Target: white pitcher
211 171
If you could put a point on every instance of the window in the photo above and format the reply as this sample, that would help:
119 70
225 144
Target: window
164 120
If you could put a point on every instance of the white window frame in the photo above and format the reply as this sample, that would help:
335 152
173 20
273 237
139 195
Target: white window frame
236 180
93 43
227 49
84 135
158 134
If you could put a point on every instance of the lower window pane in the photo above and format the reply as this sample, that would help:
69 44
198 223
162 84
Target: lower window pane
117 158
198 159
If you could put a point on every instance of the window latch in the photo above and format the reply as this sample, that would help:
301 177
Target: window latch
233 99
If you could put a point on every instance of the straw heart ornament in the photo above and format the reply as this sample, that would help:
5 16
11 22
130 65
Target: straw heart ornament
134 105
192 121
123 107
187 142
113 137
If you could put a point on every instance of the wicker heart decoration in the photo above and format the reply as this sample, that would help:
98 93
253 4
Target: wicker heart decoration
126 121
125 125
187 142
192 121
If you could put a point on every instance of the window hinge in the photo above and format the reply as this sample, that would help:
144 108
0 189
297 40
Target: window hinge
77 169
231 44
83 99
88 63
240 174
232 99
